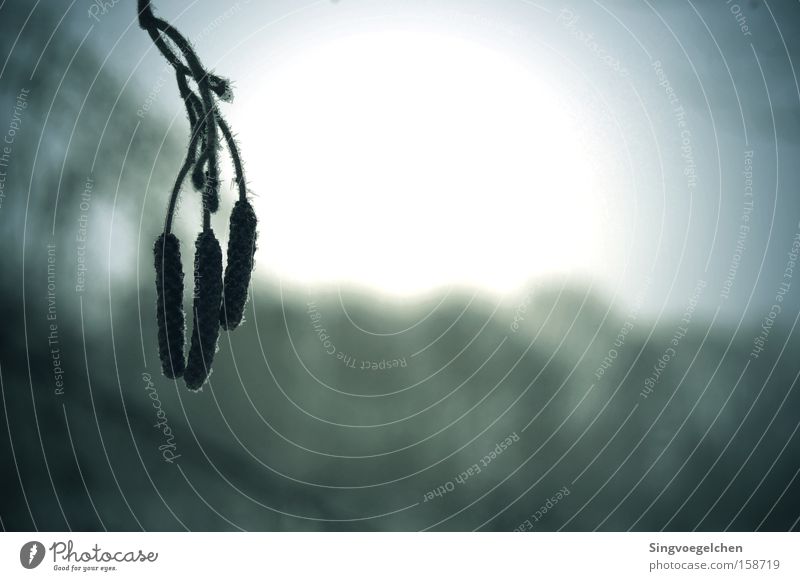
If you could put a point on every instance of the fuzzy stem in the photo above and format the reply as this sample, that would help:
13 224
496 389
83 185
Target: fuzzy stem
234 152
155 27
197 132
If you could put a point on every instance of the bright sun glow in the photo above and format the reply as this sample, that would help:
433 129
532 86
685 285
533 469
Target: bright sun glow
410 161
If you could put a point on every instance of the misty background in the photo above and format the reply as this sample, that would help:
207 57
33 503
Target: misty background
602 338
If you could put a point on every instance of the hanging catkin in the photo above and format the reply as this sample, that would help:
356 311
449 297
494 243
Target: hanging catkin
169 304
199 176
207 296
202 164
241 248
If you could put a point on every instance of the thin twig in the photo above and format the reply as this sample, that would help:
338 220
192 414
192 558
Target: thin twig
204 117
187 164
234 153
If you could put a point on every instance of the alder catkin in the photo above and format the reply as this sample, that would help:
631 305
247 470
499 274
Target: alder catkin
241 248
199 175
207 296
169 304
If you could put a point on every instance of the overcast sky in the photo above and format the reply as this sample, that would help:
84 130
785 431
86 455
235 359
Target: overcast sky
670 96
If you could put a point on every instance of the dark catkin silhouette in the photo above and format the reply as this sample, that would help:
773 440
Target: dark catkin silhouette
241 250
199 176
169 305
207 296
201 164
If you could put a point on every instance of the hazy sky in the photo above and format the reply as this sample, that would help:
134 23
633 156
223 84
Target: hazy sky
406 146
